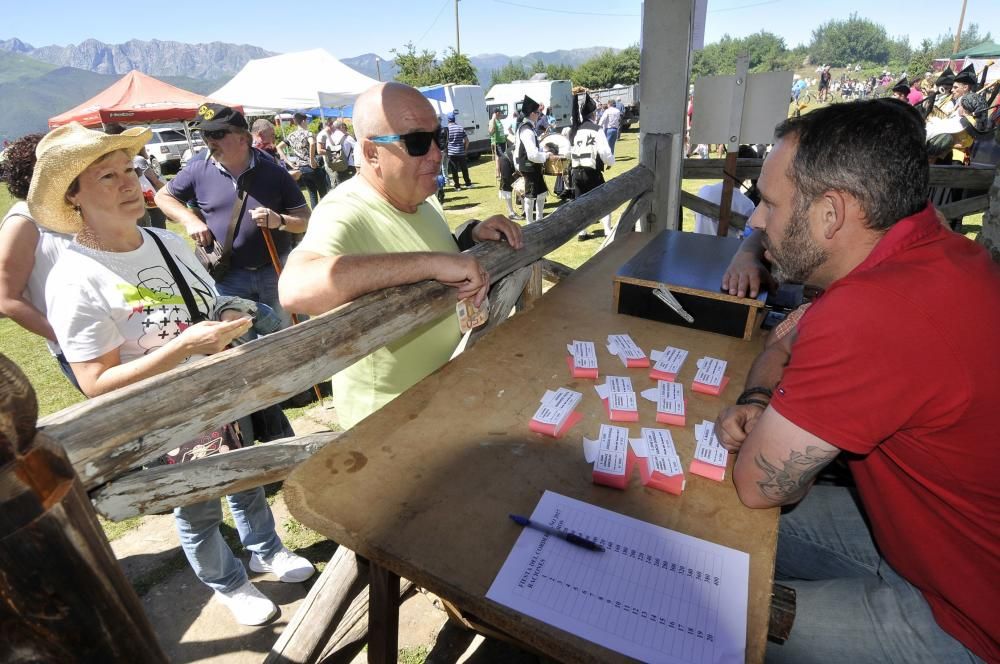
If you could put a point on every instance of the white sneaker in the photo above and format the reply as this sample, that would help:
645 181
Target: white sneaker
287 566
248 605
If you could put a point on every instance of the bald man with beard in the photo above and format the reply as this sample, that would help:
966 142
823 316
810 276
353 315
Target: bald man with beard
385 228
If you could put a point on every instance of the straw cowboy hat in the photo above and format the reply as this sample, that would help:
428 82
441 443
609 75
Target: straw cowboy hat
62 155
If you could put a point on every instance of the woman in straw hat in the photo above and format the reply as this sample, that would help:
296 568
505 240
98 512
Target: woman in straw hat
120 317
27 251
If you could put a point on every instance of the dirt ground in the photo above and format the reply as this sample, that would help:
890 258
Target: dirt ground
193 626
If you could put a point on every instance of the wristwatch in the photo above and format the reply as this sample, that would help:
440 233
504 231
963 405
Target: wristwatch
282 226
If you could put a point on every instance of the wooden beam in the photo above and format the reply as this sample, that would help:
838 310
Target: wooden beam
962 177
104 439
554 271
965 207
328 601
63 595
383 615
710 209
162 488
503 298
959 177
354 626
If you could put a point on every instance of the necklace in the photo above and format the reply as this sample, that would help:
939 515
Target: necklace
89 239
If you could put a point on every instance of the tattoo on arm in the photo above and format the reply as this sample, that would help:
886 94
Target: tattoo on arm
796 474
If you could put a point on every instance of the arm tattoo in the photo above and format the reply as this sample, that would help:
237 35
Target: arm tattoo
793 479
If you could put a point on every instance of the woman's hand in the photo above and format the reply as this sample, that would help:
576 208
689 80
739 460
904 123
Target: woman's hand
211 336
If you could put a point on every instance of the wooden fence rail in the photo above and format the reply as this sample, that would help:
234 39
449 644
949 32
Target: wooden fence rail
104 438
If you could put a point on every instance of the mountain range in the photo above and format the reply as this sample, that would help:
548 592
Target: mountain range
36 83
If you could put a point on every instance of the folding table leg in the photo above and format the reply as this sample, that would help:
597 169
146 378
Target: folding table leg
383 615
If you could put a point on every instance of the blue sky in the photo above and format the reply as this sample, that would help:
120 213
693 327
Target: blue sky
347 28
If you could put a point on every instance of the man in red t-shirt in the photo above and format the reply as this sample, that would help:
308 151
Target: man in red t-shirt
897 366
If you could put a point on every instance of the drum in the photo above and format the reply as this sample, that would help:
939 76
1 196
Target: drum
555 144
517 192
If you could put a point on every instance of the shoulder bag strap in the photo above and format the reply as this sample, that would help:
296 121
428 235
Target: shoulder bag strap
239 207
182 284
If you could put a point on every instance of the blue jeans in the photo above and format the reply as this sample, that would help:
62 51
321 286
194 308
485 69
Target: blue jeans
210 557
851 606
260 285
612 135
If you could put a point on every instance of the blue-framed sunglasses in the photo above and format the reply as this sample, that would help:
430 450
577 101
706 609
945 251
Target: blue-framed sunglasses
417 143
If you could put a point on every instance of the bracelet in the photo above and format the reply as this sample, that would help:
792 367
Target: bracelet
763 391
753 402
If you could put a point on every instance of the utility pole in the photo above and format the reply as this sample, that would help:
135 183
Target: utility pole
458 42
958 34
378 69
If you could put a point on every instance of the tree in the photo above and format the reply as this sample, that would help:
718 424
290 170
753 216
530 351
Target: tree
609 68
415 69
509 72
457 69
970 37
854 40
766 50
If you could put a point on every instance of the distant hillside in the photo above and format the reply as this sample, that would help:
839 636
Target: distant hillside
29 101
156 58
484 64
37 83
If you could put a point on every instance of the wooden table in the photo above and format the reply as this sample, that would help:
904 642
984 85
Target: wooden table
423 487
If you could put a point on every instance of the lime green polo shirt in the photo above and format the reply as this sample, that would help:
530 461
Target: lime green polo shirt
355 219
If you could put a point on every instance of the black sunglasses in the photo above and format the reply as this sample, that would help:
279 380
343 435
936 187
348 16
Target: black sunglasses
417 143
214 134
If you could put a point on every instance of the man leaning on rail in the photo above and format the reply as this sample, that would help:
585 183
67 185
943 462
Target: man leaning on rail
896 367
385 228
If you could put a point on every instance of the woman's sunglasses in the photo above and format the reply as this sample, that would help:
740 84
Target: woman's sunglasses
417 143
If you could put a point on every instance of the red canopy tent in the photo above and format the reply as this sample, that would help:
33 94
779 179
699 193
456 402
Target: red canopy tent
134 99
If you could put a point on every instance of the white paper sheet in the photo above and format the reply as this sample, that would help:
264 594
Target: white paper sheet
655 594
556 406
710 371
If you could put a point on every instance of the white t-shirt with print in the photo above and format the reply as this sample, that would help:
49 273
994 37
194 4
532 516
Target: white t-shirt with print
98 300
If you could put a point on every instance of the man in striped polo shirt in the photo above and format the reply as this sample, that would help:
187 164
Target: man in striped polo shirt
458 145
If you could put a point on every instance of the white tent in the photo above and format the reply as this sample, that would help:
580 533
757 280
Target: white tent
294 80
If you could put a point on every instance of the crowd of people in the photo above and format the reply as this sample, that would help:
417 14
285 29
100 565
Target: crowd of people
897 385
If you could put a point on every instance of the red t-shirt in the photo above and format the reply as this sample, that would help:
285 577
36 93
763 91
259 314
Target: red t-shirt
898 364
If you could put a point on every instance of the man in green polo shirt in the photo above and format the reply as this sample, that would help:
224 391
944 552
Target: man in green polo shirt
383 229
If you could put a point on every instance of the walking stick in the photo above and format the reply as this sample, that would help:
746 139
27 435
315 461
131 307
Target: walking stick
273 251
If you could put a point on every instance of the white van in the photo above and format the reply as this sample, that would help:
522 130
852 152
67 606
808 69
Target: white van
556 96
471 106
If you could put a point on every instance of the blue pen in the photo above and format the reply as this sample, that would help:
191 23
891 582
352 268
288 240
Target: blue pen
569 537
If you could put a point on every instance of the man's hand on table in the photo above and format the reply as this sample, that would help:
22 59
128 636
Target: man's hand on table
499 227
746 275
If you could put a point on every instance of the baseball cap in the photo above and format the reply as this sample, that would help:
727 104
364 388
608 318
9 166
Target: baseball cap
217 116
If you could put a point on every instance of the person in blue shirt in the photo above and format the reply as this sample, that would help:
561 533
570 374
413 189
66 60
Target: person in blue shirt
458 145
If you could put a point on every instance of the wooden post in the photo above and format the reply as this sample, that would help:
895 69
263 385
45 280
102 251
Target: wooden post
989 237
63 596
663 79
532 289
726 200
383 620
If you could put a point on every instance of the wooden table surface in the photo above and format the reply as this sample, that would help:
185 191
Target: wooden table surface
424 486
